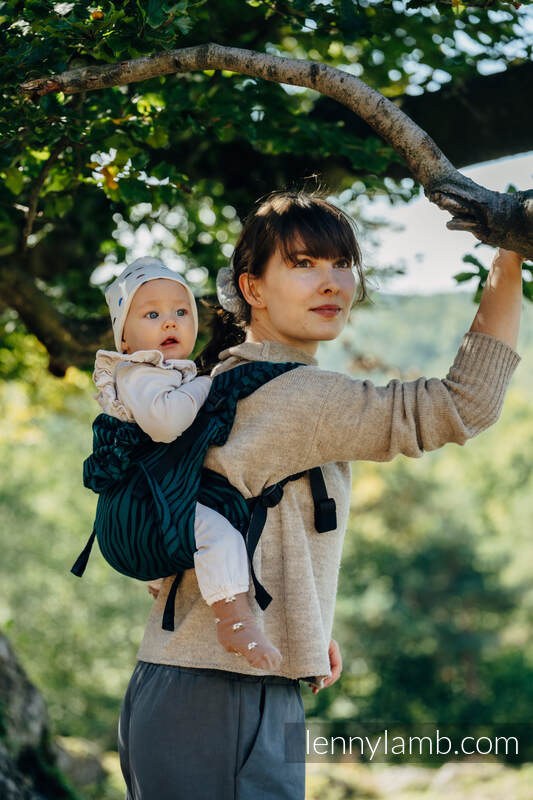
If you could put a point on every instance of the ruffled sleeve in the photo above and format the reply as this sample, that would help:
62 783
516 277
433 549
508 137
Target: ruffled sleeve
105 366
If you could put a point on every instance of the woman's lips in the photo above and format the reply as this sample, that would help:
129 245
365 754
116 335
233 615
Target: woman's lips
327 311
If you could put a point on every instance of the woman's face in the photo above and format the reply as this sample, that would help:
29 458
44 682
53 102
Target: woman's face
301 303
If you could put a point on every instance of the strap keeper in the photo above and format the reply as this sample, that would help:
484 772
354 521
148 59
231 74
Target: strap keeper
325 515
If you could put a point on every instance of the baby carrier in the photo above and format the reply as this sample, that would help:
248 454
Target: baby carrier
147 491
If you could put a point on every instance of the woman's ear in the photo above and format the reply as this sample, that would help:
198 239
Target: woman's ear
250 289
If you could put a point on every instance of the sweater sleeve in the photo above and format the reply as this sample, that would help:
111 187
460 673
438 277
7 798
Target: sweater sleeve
160 403
358 420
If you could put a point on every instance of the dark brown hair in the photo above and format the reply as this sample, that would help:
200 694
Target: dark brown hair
327 232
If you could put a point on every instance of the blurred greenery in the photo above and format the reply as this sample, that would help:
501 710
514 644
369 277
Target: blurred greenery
435 602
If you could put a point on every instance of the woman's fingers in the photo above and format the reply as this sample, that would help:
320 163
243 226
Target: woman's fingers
335 663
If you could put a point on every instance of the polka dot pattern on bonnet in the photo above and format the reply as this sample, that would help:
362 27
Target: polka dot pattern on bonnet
119 294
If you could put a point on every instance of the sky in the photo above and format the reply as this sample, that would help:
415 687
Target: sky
430 252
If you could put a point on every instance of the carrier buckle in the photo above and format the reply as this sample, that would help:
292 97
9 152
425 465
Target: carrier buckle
325 515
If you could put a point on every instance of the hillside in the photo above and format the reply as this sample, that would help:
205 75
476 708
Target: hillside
414 335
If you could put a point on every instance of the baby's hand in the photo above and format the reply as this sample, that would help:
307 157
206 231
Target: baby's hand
154 586
204 381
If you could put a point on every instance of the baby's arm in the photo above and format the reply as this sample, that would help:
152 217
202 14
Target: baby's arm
159 402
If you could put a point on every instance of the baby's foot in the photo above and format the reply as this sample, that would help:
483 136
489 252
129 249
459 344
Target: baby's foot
238 632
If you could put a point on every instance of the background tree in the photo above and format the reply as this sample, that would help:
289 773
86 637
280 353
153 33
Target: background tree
170 153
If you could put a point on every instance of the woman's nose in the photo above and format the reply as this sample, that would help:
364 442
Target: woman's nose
330 280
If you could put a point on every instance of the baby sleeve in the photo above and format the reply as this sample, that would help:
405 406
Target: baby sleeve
158 401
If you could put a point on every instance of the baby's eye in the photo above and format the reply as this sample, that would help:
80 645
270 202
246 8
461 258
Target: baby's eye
150 312
181 312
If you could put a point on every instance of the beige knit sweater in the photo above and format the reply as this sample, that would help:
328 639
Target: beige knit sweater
305 418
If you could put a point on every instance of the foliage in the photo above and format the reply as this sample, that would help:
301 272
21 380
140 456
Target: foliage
168 156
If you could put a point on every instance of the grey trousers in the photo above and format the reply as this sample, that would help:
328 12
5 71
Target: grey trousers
205 734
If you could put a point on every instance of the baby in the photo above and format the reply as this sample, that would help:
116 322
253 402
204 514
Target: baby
150 381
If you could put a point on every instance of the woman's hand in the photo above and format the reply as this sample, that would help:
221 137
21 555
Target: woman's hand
501 301
335 663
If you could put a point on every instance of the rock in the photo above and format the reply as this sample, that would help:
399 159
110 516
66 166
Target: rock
23 711
80 760
28 761
13 785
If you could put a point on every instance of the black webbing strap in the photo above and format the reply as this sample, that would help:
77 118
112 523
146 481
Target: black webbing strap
325 518
325 508
269 497
78 568
168 613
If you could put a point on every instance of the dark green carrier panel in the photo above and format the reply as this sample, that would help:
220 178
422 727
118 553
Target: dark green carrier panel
147 491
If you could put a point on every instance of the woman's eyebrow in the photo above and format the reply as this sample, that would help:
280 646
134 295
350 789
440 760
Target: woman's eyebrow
297 253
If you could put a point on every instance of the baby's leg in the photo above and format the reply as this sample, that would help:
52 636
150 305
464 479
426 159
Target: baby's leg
221 564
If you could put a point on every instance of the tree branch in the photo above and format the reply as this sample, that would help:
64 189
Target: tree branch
67 341
465 118
36 190
495 218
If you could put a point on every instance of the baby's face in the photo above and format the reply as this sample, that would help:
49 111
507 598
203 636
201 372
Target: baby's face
160 310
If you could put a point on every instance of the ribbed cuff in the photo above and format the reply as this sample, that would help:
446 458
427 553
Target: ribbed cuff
488 363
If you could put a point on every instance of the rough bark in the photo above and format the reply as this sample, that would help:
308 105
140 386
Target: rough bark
495 218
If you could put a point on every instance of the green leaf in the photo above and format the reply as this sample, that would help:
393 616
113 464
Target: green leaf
460 277
159 137
134 191
14 179
57 206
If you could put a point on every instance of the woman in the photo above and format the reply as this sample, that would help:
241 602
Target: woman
197 721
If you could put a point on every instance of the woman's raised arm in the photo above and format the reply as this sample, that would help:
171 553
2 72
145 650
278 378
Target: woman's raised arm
501 301
359 420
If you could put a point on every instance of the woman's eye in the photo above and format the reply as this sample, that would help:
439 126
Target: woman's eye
343 262
303 262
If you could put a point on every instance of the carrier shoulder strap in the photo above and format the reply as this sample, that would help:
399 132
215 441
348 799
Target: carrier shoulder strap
227 389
